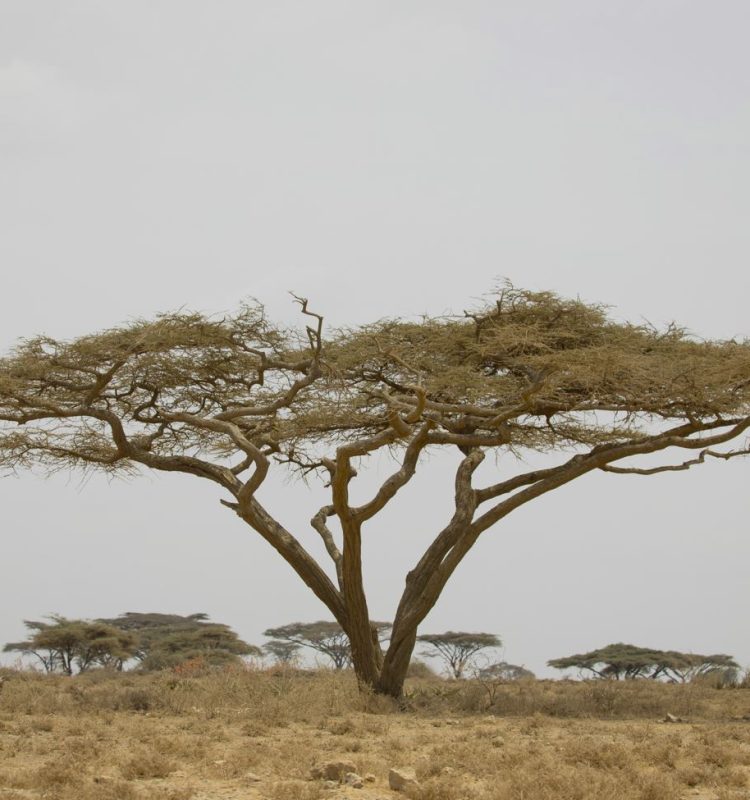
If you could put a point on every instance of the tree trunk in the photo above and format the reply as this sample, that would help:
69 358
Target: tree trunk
367 656
389 681
375 672
395 666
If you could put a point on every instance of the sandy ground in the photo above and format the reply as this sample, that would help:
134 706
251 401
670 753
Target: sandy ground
245 734
189 757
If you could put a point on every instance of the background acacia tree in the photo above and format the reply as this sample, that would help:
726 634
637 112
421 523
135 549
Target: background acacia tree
166 640
226 399
48 656
628 661
504 672
458 649
64 644
282 652
325 636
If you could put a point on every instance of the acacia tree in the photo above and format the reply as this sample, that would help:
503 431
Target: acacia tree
504 672
629 661
685 667
166 640
149 628
325 637
225 399
613 661
47 654
61 644
458 648
283 652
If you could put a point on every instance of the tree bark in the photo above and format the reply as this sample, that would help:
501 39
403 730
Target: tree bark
395 666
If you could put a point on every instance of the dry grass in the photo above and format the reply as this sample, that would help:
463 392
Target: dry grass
254 734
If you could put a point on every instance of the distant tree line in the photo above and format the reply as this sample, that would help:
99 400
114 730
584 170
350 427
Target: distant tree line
156 641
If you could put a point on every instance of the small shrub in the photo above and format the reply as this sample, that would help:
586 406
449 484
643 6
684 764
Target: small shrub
56 774
192 668
604 697
419 669
134 700
297 790
147 765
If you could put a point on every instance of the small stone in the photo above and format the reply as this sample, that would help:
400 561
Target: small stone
333 770
330 784
251 777
353 780
672 718
403 780
370 778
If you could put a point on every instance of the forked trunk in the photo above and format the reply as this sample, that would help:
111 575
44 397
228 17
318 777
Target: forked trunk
383 674
388 681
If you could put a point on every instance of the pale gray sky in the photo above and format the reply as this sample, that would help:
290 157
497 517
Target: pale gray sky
384 158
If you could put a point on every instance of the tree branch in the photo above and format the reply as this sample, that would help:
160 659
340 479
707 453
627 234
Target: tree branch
674 467
312 373
318 522
456 543
241 491
516 482
604 455
398 479
419 594
294 554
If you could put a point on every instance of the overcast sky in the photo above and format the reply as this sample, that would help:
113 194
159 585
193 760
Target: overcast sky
384 158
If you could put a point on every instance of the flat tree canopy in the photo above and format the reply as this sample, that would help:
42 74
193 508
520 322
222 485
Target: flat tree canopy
167 640
64 644
228 398
503 672
457 649
325 636
283 652
630 661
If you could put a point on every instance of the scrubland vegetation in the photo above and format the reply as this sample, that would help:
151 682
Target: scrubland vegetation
194 734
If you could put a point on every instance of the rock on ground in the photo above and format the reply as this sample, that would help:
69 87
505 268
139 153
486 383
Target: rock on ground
403 780
353 780
333 770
